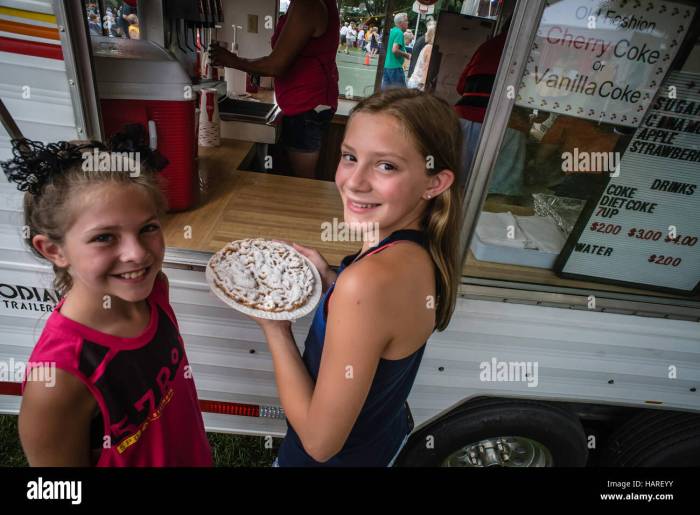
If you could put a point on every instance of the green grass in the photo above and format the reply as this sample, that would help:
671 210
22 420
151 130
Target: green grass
242 451
228 450
11 454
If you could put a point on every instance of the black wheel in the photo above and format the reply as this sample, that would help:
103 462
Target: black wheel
495 432
655 439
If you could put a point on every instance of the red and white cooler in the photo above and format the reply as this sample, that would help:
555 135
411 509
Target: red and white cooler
138 81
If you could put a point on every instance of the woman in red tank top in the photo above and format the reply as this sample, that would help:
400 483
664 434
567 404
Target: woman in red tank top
302 61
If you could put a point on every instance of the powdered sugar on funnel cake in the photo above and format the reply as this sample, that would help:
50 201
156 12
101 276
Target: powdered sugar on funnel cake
264 278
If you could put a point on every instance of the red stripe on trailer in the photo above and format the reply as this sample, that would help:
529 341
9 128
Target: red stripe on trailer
224 408
230 408
32 48
10 388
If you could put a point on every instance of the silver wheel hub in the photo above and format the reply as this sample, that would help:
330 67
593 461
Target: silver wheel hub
502 451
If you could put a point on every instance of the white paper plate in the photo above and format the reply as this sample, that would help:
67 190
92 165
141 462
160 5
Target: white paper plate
283 315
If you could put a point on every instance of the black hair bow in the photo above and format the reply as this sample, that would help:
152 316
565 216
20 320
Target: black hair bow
33 163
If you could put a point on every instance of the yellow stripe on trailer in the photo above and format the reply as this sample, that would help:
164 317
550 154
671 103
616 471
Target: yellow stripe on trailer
29 15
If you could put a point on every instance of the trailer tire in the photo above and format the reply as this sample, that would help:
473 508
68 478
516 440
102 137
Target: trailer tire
519 433
655 439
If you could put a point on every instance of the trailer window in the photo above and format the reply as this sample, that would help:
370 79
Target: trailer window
364 30
596 177
113 18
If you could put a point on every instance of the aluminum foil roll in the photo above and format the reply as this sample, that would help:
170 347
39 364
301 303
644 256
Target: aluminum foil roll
563 210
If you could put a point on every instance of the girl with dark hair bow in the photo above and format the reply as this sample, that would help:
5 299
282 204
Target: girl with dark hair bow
108 382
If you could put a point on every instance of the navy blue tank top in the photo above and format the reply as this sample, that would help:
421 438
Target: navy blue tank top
384 419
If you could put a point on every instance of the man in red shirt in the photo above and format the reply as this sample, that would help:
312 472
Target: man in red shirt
475 85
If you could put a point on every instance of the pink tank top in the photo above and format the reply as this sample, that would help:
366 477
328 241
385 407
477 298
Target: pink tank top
312 79
149 412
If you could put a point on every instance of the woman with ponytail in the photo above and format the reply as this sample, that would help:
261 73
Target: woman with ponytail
345 398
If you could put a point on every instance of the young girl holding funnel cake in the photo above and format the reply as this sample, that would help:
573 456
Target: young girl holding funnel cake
345 398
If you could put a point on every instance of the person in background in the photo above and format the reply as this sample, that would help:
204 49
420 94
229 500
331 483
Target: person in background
570 134
474 86
304 46
343 37
418 46
408 44
373 42
94 25
408 40
134 32
109 23
420 73
127 8
394 76
361 38
351 37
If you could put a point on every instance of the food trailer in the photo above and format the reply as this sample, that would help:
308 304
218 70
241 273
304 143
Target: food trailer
575 339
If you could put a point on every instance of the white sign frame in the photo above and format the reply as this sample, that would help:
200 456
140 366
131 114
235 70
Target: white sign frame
610 75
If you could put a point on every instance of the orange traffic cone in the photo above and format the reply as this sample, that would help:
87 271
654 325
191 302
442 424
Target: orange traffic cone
367 59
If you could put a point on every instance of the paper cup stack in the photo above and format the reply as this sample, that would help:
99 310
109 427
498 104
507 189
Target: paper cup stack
209 122
235 82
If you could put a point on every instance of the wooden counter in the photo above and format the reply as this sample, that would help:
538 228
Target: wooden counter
240 204
525 274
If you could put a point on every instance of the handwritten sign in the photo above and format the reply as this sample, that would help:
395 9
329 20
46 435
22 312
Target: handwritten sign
645 229
602 60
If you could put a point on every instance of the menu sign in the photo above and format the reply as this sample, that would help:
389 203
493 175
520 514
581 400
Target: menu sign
645 229
602 60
